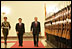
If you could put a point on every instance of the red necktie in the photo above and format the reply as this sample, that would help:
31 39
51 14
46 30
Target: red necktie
36 24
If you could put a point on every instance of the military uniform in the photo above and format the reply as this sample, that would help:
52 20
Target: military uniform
5 29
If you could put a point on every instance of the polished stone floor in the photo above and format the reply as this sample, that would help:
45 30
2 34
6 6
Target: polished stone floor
47 45
43 41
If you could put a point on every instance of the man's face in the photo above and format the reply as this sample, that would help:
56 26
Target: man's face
35 18
5 19
20 20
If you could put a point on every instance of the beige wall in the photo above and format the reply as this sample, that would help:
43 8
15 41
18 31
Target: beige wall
27 10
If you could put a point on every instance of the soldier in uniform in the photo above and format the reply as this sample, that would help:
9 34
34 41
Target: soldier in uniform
5 29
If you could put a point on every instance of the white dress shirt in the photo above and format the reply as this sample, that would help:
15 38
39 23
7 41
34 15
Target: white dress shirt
20 24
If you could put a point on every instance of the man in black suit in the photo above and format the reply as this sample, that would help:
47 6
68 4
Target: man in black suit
20 29
35 28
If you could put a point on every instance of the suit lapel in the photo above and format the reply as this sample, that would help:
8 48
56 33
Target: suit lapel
34 23
37 23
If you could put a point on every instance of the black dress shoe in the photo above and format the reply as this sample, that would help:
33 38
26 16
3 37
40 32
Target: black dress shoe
21 45
5 46
37 45
34 45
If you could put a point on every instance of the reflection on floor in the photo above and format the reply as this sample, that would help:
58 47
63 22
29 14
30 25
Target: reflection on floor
46 44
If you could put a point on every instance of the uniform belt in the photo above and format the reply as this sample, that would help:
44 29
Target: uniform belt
6 27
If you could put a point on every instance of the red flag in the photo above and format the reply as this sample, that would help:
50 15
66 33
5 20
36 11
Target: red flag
45 13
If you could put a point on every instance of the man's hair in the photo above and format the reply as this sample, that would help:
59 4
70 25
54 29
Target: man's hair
35 17
5 17
20 18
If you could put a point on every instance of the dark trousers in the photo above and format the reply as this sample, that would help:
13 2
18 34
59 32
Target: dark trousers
5 34
20 38
36 39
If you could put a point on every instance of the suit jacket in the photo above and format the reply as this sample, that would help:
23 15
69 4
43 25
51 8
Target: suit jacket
36 30
20 29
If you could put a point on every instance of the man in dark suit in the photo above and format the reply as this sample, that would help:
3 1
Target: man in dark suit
20 29
35 28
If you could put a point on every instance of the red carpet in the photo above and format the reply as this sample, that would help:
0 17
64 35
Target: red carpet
28 44
9 41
